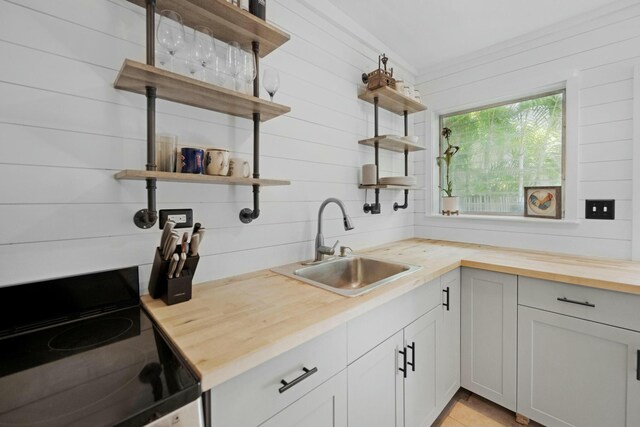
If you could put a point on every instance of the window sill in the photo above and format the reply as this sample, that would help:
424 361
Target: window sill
505 218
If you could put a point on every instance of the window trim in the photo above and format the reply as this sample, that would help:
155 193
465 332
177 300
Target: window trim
507 101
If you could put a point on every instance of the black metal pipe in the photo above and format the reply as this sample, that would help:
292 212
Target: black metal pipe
406 123
151 32
396 206
375 207
146 218
247 215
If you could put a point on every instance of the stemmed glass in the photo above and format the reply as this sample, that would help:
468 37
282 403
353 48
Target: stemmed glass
248 70
234 56
204 48
271 81
170 33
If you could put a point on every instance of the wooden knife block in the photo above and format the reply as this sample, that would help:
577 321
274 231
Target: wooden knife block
177 289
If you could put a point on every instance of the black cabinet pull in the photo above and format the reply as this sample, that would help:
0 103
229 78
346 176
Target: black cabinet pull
403 352
570 301
307 373
446 304
638 365
413 356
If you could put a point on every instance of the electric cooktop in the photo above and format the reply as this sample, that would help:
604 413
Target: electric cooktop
81 351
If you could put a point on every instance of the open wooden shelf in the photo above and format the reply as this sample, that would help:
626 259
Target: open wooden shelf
392 100
226 21
391 143
390 187
134 76
192 177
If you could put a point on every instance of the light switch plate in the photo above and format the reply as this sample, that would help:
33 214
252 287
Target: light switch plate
600 209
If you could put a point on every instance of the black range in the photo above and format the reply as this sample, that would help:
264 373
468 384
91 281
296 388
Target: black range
81 351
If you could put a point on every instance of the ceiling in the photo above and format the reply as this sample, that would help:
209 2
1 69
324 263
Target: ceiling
429 32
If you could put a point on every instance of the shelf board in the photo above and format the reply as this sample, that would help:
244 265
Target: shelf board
191 177
226 21
392 100
390 187
392 143
134 76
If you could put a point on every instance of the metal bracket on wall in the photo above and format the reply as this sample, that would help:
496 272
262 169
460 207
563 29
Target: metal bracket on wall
247 215
396 206
146 218
375 208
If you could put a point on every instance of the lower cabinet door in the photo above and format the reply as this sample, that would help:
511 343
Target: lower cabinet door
489 335
448 358
375 386
573 372
420 406
325 406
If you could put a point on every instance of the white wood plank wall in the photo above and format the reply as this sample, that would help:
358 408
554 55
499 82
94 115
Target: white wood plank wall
600 51
65 131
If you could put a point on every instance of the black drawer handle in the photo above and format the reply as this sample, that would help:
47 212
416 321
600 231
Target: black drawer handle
403 352
307 373
570 301
413 356
446 304
638 365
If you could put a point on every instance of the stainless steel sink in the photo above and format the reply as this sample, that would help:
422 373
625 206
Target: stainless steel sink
349 276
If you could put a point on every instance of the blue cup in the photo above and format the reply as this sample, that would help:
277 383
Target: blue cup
191 160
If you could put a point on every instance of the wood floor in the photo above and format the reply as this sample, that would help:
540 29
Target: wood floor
469 410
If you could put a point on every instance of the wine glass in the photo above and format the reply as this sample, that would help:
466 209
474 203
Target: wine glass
204 48
271 81
170 33
234 55
191 63
248 70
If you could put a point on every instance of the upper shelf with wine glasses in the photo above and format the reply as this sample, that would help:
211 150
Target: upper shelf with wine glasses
135 77
228 23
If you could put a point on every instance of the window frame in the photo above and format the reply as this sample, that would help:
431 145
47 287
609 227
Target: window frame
563 169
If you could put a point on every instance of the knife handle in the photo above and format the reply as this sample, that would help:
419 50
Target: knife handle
173 265
194 245
183 258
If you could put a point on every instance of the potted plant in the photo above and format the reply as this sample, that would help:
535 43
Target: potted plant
450 203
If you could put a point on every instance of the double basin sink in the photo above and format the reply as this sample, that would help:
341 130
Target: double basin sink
349 276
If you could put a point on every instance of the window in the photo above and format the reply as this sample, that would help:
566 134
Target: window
504 148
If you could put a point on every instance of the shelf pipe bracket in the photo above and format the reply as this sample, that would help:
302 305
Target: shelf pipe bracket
374 208
247 215
146 218
396 206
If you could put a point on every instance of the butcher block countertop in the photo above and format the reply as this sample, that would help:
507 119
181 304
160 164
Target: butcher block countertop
235 324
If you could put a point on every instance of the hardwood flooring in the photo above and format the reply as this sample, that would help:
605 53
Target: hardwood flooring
469 410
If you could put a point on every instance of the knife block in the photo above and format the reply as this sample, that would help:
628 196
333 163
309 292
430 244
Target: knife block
159 282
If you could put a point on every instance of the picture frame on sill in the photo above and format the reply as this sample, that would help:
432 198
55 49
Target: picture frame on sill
543 202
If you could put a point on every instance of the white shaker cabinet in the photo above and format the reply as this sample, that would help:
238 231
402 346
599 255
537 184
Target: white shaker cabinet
395 383
448 340
574 372
325 406
376 386
420 405
489 316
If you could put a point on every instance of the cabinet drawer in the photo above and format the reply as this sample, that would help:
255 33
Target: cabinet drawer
367 331
251 398
608 307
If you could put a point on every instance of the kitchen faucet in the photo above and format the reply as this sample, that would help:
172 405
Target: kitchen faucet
321 249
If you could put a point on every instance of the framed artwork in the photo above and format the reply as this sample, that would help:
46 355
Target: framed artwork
543 202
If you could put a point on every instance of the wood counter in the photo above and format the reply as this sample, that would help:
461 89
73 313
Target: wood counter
234 324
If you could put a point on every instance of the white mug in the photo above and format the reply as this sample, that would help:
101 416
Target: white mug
368 174
217 162
239 168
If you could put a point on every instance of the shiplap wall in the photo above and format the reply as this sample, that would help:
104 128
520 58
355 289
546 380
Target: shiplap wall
597 53
65 131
